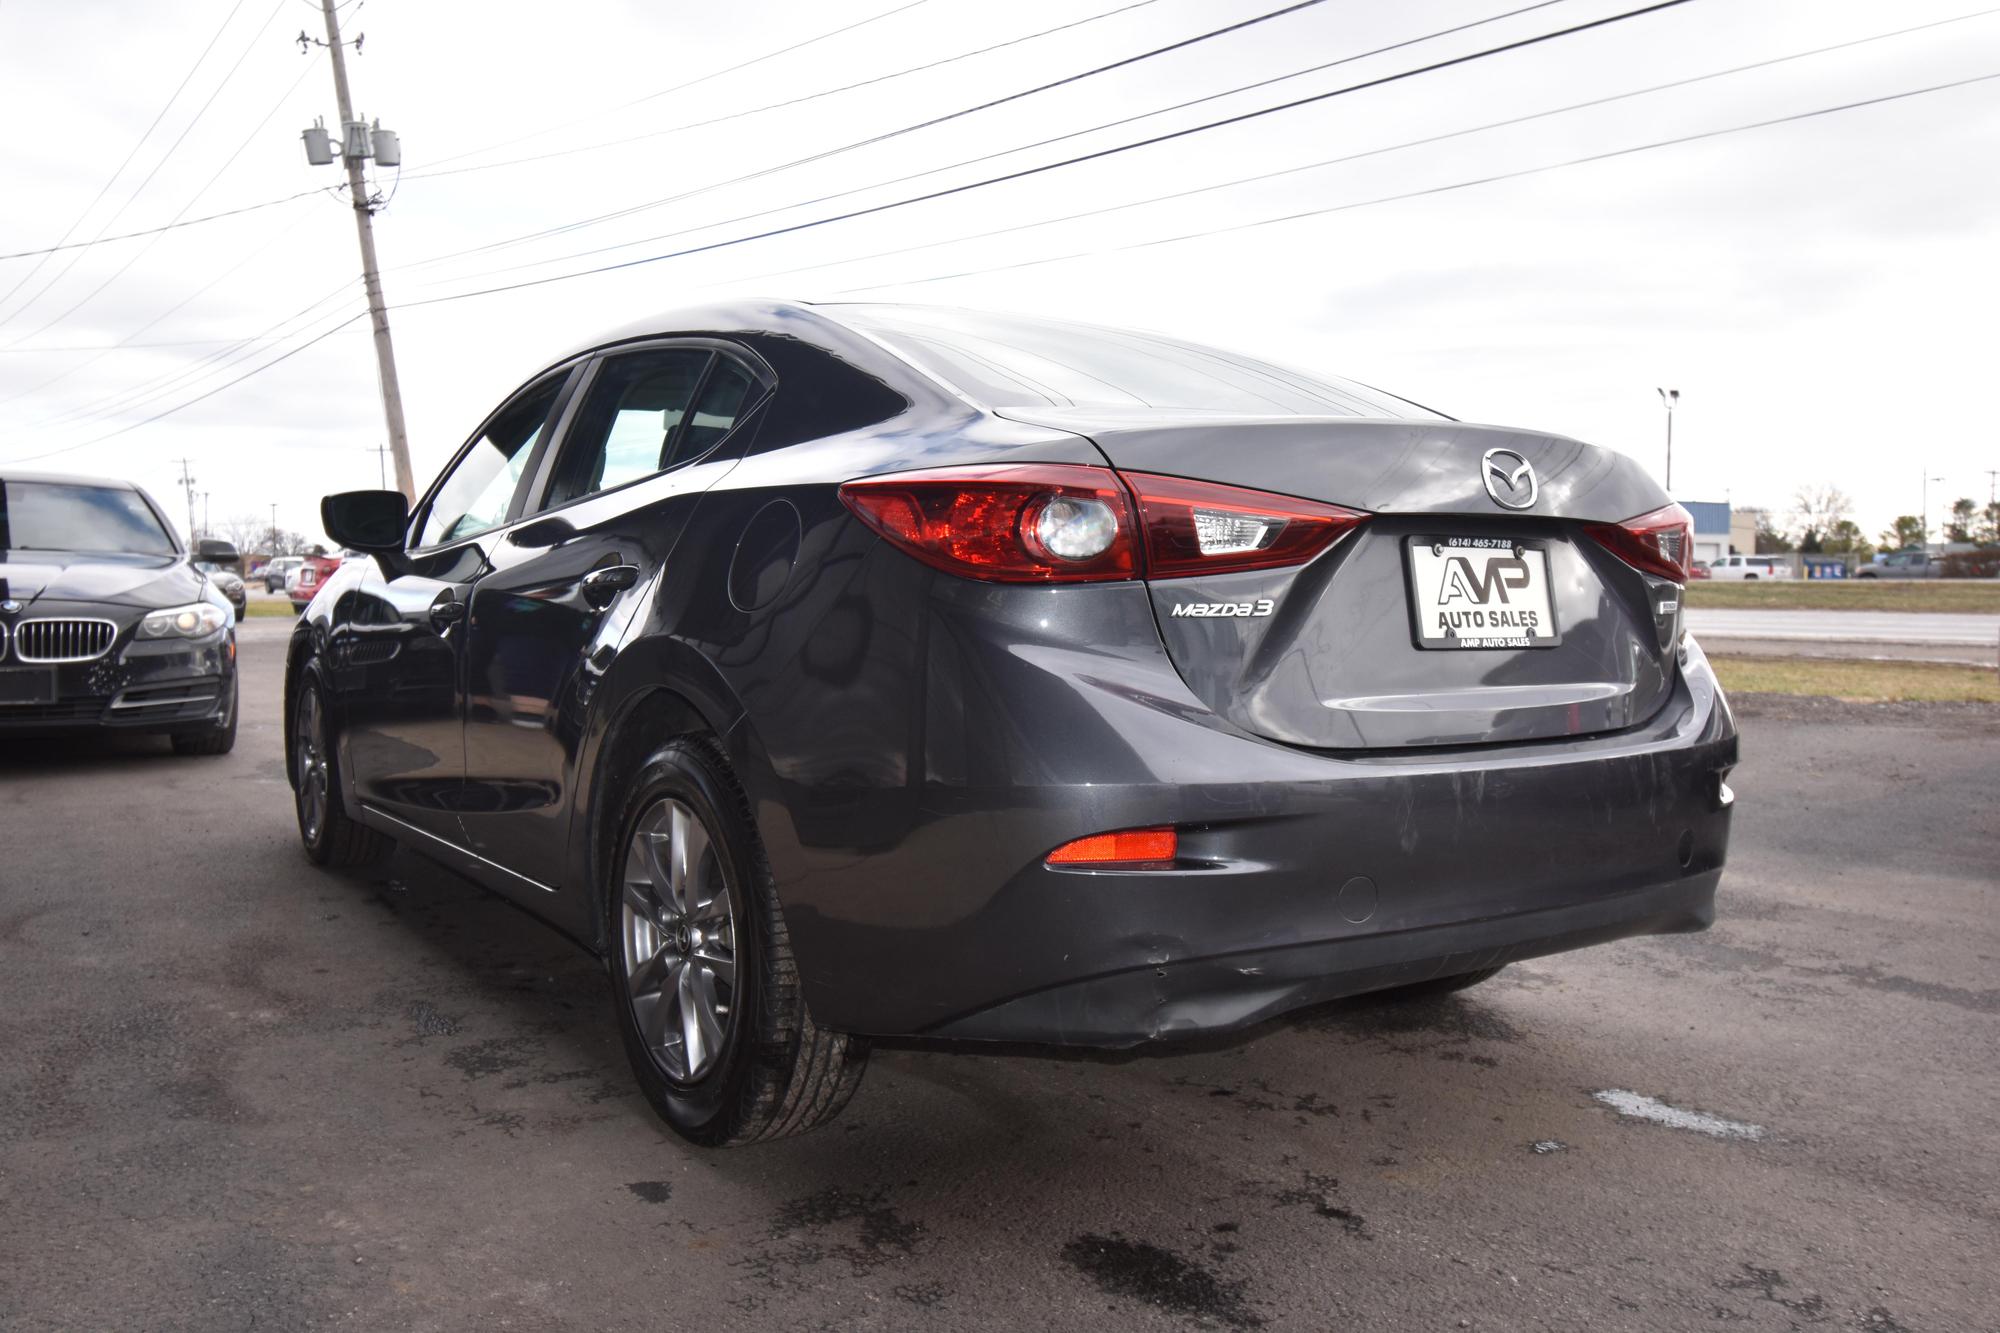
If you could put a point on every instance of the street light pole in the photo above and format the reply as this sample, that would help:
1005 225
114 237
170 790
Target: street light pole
356 145
1671 397
1924 518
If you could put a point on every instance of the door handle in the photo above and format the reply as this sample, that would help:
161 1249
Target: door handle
601 585
446 611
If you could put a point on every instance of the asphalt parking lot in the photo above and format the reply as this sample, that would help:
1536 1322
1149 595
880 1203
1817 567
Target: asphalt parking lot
238 1092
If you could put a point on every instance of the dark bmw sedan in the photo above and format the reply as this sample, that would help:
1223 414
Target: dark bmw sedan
106 623
854 671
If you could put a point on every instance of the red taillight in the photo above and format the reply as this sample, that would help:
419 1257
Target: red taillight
1070 523
1661 542
1201 527
1017 523
1128 847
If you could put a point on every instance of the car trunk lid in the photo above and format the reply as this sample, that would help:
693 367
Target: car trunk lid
1365 645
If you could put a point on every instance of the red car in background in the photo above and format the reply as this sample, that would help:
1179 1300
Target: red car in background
303 582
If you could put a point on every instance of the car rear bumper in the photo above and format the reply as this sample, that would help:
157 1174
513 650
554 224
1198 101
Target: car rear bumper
1303 876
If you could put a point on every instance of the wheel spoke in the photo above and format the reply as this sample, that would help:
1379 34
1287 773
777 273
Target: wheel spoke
699 1035
689 850
639 901
720 967
717 911
652 974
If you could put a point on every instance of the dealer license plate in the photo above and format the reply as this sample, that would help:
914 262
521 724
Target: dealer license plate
1481 592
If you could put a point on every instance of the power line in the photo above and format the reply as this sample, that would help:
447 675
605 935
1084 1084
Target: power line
182 407
1004 152
1337 208
141 253
1025 172
884 137
105 189
1378 152
1447 189
171 226
682 87
788 102
164 159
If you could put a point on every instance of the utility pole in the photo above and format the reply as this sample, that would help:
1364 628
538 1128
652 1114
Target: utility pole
274 527
357 144
1672 398
204 511
187 486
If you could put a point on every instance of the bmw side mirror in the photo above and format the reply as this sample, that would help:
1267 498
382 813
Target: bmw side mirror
373 522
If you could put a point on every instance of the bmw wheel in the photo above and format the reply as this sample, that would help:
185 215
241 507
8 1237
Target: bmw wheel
708 998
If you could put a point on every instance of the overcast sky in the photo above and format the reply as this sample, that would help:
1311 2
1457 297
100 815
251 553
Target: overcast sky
1822 293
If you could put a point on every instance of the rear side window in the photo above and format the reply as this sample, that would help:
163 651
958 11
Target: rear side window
728 391
476 494
630 422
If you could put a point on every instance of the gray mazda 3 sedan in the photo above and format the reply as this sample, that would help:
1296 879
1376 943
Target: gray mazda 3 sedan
851 671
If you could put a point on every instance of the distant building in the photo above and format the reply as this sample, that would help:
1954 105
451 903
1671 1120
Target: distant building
1711 528
1743 530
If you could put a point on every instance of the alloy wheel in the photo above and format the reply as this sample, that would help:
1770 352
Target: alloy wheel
309 742
679 939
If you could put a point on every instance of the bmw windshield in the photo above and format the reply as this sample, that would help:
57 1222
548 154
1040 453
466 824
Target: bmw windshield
64 516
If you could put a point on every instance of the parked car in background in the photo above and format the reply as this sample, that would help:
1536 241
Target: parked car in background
848 671
1750 568
218 560
105 622
1902 565
279 570
1699 570
303 583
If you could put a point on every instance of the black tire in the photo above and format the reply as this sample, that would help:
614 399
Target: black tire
1423 990
215 739
775 1072
298 608
331 838
1749 578
241 612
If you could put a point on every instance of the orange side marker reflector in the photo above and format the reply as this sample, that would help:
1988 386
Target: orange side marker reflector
1124 847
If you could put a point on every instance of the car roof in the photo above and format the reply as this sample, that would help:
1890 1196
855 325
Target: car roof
69 479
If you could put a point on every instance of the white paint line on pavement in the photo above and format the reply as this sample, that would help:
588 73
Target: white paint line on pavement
1638 1106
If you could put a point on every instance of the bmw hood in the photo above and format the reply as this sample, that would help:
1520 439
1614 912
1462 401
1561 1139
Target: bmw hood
109 578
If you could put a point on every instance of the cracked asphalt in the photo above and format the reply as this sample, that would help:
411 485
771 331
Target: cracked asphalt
237 1092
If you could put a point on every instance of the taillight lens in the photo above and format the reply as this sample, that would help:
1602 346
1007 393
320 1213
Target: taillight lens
1019 523
1201 527
1660 543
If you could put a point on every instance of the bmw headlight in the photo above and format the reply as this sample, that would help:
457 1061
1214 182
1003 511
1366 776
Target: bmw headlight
196 621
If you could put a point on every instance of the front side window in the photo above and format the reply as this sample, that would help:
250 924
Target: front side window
60 516
476 494
636 418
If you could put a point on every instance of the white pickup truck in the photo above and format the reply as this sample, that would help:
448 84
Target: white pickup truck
1750 567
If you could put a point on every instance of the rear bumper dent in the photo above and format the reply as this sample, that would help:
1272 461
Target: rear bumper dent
1217 995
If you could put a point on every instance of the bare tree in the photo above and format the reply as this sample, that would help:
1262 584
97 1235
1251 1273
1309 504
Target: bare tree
1816 512
245 531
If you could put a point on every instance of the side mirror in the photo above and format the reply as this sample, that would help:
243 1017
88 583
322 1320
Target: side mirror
370 521
217 550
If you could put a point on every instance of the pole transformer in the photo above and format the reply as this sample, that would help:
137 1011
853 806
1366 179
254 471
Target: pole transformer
357 144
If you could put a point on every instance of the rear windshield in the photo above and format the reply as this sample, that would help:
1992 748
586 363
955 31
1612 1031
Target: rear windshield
63 516
1014 361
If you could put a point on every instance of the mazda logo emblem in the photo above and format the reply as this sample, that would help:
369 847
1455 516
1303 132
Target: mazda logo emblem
1509 478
